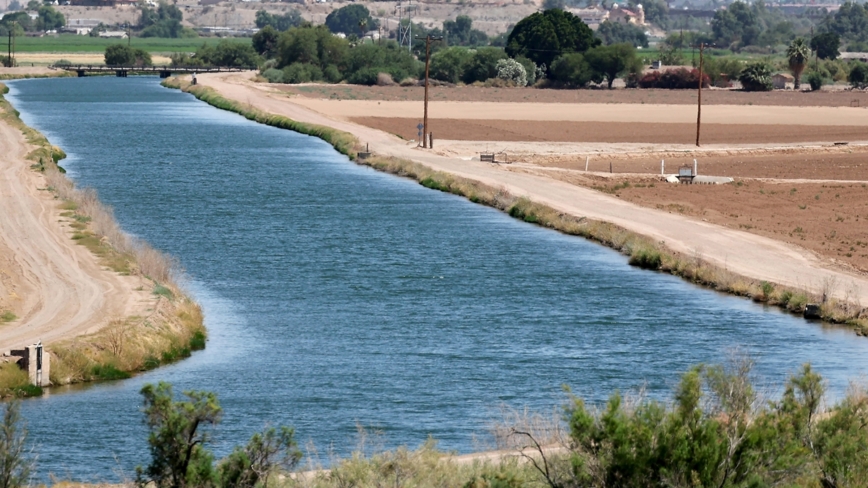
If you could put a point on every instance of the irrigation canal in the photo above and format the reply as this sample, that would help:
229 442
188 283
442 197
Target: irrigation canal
336 295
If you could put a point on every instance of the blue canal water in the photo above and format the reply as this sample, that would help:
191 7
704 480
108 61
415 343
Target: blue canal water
336 296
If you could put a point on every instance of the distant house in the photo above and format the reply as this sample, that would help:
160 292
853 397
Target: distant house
593 17
114 34
854 56
627 16
781 80
80 26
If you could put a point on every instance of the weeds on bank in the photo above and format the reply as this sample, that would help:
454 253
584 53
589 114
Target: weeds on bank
14 382
173 327
343 142
7 316
642 251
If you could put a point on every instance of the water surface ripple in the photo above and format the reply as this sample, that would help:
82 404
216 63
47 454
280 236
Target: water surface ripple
336 295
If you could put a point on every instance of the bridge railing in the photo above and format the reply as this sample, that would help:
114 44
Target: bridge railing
155 69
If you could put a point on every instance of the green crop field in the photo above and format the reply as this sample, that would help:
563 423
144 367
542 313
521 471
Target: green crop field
71 43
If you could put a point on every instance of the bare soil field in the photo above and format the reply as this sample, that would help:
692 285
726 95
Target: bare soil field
830 219
614 132
784 98
796 164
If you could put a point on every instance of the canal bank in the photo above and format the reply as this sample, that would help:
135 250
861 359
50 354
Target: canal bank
104 304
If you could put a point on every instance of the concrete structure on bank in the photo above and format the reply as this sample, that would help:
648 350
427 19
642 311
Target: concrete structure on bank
36 361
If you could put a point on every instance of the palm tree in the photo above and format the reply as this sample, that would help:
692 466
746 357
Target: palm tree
797 54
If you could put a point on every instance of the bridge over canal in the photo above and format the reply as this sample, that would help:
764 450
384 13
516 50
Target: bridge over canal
163 71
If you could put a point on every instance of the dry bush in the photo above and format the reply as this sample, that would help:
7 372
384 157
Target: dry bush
547 429
385 79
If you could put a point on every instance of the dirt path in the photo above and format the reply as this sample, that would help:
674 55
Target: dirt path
55 287
751 255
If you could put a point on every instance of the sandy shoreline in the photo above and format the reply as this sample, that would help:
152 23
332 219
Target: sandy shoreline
743 253
56 288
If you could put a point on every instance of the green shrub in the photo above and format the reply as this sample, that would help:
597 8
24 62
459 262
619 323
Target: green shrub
301 73
815 79
756 76
858 77
646 257
197 342
273 75
163 291
108 372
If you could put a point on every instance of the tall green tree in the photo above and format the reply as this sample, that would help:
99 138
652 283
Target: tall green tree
826 45
543 36
265 42
613 61
798 54
618 32
460 32
16 461
348 18
179 431
291 18
123 55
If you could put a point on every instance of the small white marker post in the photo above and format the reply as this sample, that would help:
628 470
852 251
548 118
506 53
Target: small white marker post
695 166
662 167
587 158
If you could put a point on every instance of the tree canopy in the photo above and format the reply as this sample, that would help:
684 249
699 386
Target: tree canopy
351 19
291 18
123 55
460 32
165 21
826 45
617 32
543 36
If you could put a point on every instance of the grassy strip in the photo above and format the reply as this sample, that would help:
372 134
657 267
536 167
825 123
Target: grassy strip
71 43
173 327
343 142
642 251
55 74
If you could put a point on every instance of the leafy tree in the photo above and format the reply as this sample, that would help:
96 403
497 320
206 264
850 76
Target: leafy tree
165 21
460 32
228 53
21 20
16 462
252 465
657 13
313 45
49 18
366 61
797 57
449 64
347 19
610 62
291 18
14 5
123 55
858 77
177 436
483 65
826 45
617 32
543 36
850 22
756 76
265 42
573 70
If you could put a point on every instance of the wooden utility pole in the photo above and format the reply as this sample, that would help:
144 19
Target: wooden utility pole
428 40
699 98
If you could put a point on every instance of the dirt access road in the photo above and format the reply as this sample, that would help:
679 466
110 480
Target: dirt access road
56 288
741 252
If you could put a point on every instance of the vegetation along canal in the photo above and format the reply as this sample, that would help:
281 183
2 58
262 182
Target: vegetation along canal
335 295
